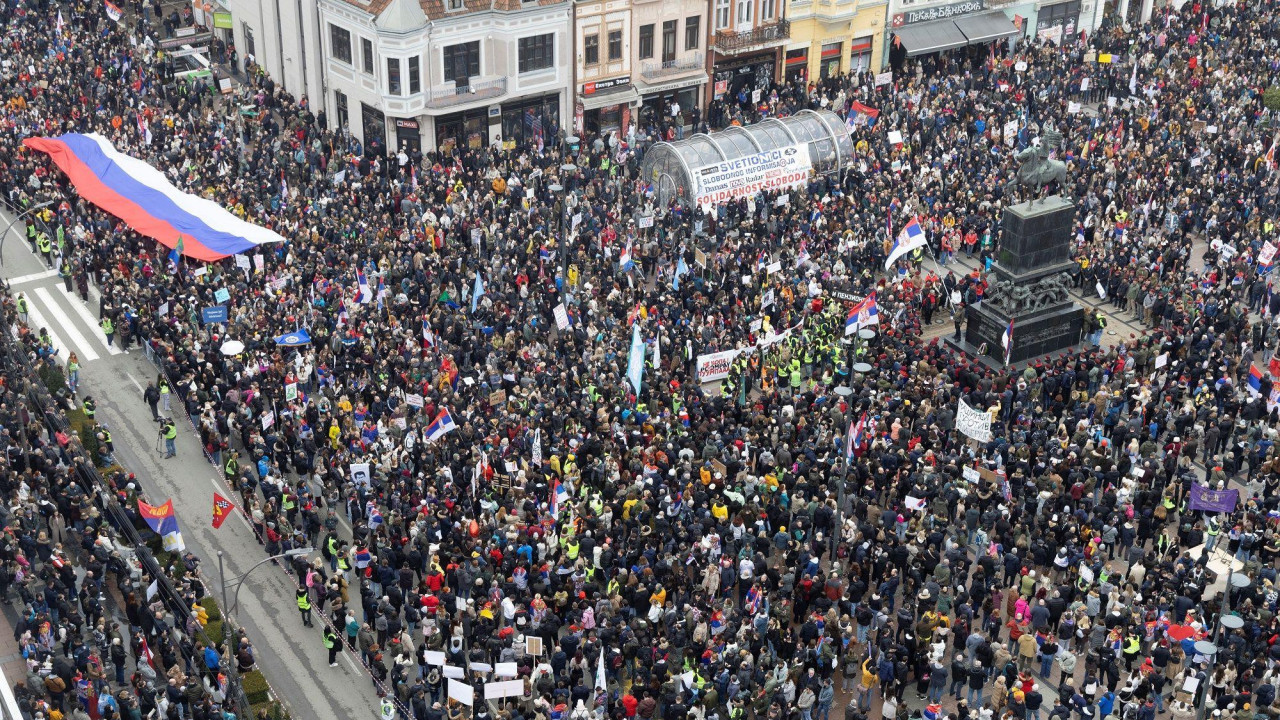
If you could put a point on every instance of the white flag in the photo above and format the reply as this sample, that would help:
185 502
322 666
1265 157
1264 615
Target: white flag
537 448
601 682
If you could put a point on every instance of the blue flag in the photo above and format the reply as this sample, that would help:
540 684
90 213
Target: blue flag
295 338
477 292
635 362
681 269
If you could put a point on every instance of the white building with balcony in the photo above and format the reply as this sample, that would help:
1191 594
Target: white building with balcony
745 47
670 55
441 74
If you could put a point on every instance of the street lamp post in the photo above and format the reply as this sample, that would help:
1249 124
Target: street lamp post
1224 619
15 220
846 391
562 246
239 581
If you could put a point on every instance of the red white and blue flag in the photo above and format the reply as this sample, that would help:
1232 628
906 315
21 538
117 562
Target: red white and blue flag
363 294
1007 342
855 435
441 426
862 314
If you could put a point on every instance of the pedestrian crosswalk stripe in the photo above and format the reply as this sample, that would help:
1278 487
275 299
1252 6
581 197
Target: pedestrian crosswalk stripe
87 317
32 277
35 321
82 347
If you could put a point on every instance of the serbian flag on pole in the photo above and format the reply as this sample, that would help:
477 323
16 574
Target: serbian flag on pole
911 237
428 337
863 314
113 11
559 494
1255 380
163 522
145 199
441 426
363 294
221 510
855 435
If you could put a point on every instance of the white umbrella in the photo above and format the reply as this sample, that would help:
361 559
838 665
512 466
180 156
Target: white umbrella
232 347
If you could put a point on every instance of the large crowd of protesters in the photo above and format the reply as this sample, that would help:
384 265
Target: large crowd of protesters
696 543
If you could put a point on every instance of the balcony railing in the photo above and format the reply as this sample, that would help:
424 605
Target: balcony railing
732 42
655 69
451 94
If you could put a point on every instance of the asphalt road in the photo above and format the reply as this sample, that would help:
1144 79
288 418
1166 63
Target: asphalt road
293 658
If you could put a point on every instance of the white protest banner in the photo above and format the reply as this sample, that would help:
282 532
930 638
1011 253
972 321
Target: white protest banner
778 169
242 262
505 669
971 474
480 667
767 298
1267 253
503 689
268 419
462 692
434 657
1161 360
413 400
164 309
773 267
1102 291
291 392
915 503
646 221
562 317
894 137
1020 66
884 78
973 422
1073 108
259 261
455 672
1011 133
1086 574
361 475
715 366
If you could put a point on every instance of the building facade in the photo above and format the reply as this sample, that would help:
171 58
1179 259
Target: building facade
917 27
606 96
670 55
829 37
283 36
745 46
442 74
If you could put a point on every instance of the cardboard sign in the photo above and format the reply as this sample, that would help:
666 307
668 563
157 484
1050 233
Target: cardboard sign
700 258
503 689
497 397
719 467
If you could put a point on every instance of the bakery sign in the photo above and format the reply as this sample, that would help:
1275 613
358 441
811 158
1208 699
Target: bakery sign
939 12
596 86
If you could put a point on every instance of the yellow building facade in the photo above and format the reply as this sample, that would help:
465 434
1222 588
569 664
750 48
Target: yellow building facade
830 37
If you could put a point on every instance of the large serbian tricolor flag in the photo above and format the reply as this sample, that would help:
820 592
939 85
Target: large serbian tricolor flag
144 198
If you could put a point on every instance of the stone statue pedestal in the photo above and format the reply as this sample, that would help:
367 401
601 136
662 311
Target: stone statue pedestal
1035 248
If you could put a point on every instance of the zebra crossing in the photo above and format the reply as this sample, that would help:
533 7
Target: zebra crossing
71 326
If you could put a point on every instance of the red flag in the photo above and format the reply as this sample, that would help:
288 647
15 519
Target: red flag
1274 367
221 510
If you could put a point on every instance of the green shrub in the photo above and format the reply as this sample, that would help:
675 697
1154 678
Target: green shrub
270 710
255 687
52 377
216 632
211 606
1271 98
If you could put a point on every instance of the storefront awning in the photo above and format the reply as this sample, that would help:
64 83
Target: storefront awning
699 79
603 100
987 26
931 37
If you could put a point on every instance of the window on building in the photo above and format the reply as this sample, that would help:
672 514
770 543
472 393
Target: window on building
646 41
537 52
692 32
366 54
722 14
393 76
745 8
248 39
415 74
462 62
340 43
768 8
340 101
669 40
591 49
455 4
615 44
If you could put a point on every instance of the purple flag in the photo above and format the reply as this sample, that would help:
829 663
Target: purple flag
1202 498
